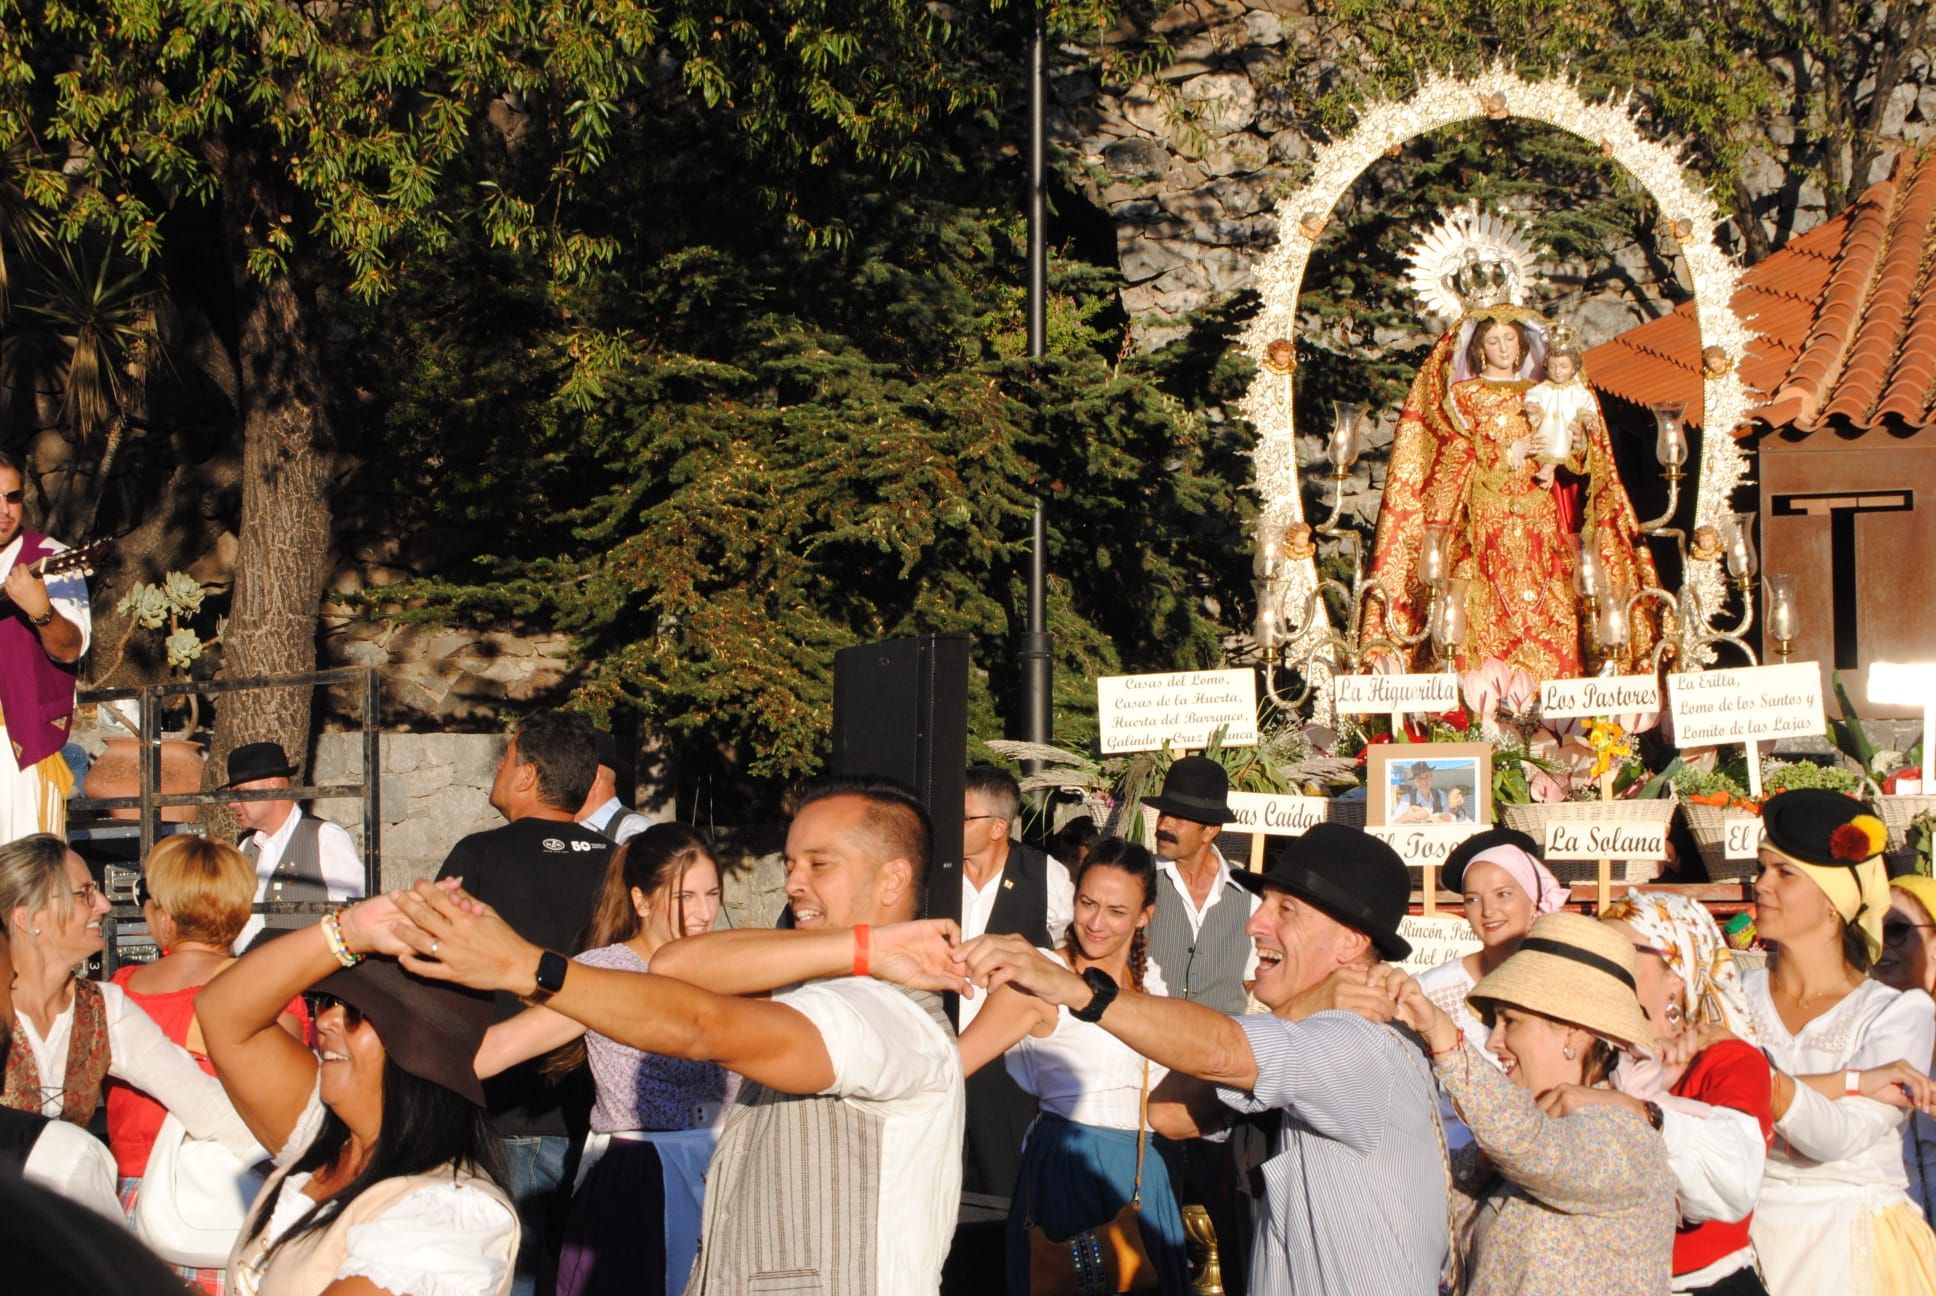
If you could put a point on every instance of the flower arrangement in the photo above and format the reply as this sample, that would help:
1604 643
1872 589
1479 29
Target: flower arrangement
1725 787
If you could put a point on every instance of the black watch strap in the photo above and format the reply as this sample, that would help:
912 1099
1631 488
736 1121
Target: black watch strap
1104 990
552 967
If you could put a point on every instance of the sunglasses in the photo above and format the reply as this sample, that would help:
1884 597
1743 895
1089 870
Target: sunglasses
319 1003
1896 933
13 496
142 895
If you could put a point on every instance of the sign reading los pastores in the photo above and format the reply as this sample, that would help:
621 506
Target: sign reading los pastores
1392 694
1276 816
1602 695
1182 708
1718 707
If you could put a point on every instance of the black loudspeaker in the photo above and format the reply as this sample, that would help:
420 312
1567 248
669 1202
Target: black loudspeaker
901 712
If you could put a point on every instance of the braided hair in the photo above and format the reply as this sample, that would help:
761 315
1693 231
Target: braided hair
1127 857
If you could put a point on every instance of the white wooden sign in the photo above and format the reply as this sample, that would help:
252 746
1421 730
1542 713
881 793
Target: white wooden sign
1434 940
1741 833
1422 844
1182 708
1910 684
1719 707
1603 695
1611 839
1276 816
1395 694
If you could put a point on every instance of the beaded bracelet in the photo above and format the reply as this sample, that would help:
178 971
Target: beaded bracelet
333 933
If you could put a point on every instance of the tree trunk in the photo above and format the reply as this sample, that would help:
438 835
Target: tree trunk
283 541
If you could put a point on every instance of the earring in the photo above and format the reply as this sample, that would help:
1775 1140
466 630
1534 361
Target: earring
1568 1051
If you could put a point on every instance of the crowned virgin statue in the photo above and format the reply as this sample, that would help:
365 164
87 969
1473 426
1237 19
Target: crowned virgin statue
1502 478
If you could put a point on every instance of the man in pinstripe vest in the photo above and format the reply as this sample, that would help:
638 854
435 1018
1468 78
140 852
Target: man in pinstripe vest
1355 1197
839 1170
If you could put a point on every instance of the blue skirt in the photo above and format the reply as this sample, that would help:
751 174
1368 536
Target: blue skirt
1075 1177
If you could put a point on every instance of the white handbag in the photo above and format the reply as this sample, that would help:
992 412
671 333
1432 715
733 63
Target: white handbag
195 1195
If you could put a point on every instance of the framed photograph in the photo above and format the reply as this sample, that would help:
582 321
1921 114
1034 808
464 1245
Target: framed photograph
1429 783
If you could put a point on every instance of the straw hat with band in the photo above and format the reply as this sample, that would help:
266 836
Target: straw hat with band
1574 970
1837 842
429 1029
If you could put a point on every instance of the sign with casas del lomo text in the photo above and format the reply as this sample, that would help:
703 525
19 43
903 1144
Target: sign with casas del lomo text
1719 707
1601 695
1276 816
1608 839
1392 694
1422 844
1182 708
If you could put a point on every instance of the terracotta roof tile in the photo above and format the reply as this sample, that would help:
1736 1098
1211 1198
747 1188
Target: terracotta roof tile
1847 314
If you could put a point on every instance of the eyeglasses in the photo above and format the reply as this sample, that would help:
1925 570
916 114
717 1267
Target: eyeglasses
13 496
85 894
320 1002
1896 933
972 818
142 895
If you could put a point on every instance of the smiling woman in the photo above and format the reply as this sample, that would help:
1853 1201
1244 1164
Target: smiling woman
69 1035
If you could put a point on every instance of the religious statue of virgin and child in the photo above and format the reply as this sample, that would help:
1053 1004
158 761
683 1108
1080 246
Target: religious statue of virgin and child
1502 460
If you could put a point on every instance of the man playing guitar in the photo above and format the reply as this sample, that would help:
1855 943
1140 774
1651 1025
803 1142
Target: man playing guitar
44 628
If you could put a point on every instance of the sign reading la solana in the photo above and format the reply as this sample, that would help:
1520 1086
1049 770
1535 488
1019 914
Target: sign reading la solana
1139 713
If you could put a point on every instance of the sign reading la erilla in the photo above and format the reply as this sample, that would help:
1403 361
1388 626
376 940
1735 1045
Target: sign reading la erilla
1137 713
1746 704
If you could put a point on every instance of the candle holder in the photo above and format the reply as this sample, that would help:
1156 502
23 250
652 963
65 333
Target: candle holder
1784 616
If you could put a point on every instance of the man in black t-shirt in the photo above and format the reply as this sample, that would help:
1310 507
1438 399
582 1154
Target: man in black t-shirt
542 873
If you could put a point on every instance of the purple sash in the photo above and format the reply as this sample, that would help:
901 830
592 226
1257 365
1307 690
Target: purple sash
36 692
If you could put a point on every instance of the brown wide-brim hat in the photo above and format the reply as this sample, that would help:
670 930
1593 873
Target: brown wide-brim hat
1197 789
430 1029
1573 969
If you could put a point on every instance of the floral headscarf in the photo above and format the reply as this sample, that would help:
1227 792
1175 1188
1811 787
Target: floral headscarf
1685 932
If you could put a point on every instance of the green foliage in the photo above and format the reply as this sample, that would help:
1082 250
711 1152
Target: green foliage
1731 779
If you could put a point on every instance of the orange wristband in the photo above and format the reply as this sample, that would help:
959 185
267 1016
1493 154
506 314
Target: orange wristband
860 949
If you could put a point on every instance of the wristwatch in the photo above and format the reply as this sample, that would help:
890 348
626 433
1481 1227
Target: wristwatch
1655 1116
1104 987
552 967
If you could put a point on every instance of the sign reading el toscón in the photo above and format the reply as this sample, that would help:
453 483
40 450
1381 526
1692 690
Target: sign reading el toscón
1182 708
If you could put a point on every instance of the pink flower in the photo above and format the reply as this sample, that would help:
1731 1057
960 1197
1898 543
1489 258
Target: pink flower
1494 686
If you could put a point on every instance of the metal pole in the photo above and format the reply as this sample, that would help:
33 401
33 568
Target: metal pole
1038 646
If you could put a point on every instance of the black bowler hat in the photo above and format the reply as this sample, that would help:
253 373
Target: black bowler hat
258 760
1349 874
607 749
1452 872
1197 789
430 1029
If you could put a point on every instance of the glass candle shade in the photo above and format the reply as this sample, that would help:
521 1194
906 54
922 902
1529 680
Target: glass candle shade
1670 442
1784 617
1343 448
1449 621
1431 555
1589 575
1743 561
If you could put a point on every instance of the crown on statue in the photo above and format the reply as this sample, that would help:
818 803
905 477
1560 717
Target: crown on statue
1483 281
1562 339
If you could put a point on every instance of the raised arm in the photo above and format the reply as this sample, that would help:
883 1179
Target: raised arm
763 1041
532 1033
1008 1015
268 1074
1174 1033
920 954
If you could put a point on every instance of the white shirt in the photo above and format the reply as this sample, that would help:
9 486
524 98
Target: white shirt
1218 886
896 1063
630 824
1836 1163
147 1059
335 851
1081 1072
68 1160
977 903
67 592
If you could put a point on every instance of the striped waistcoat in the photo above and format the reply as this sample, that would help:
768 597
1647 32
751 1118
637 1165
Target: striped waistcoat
793 1194
1206 966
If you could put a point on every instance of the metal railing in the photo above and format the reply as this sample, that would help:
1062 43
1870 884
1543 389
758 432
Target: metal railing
150 800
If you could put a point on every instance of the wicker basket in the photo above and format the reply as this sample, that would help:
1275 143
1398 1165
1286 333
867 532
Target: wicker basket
1532 819
1898 811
